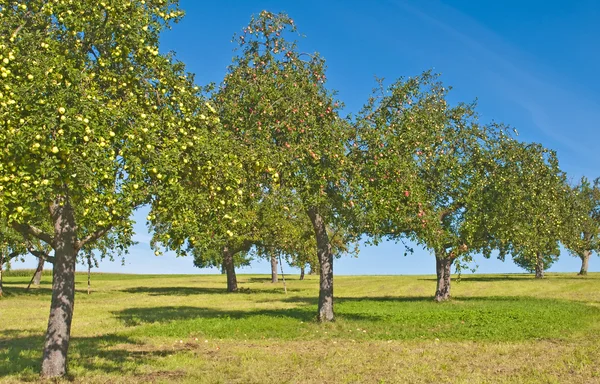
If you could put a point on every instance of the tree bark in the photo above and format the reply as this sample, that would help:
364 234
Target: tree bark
539 267
302 273
443 265
37 275
229 270
585 258
54 360
325 256
38 272
274 277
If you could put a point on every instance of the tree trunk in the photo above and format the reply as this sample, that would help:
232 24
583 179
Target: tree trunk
54 360
585 258
37 278
37 275
274 277
539 267
230 270
302 273
325 310
443 265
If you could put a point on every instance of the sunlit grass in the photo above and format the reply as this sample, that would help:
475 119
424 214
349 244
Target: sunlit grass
140 328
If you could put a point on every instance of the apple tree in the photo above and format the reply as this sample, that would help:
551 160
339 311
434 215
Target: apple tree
584 222
228 256
423 171
457 180
213 212
274 99
94 121
531 205
390 128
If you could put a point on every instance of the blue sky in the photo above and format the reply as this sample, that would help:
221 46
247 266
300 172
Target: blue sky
531 64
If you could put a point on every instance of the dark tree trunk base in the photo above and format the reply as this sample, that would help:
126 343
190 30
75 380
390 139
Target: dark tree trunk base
274 277
585 259
539 267
325 309
54 360
443 271
229 267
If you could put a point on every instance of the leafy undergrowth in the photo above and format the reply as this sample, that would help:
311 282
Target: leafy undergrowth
141 328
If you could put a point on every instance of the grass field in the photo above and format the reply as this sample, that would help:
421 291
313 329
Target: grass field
152 328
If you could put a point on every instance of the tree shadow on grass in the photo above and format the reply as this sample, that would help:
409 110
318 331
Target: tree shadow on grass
267 279
26 281
341 299
10 290
426 299
523 277
457 299
137 316
253 279
175 291
492 318
498 278
189 291
103 354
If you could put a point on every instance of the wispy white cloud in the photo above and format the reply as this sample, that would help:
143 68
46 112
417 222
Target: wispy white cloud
566 116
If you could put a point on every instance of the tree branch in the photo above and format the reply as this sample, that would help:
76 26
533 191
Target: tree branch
9 257
451 209
244 247
93 236
41 255
29 230
16 32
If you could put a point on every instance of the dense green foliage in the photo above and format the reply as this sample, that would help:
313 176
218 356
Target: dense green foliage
532 205
81 117
96 122
583 226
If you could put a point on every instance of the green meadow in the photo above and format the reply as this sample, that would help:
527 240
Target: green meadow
186 328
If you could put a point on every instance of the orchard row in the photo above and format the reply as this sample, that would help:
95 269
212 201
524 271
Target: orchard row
97 123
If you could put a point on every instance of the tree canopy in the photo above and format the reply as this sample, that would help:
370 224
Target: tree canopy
583 221
97 122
